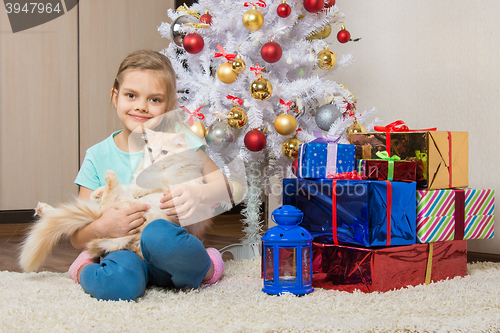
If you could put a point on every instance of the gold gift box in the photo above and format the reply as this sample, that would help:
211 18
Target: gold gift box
431 148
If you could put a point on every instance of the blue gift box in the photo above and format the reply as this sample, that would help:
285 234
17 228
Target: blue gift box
317 160
364 210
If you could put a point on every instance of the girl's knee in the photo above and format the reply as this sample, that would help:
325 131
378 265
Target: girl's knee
162 233
120 276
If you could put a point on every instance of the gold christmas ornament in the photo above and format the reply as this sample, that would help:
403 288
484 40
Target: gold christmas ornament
326 59
238 191
226 74
355 129
253 19
198 129
237 117
290 147
321 34
261 89
285 124
238 64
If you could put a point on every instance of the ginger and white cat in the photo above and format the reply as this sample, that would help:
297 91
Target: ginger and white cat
179 164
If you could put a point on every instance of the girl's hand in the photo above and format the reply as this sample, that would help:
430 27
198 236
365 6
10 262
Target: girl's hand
121 222
182 200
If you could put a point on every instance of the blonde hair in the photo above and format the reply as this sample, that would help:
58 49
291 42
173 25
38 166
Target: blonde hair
155 62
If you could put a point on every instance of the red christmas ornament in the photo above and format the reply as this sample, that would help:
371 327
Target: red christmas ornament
329 3
313 6
255 140
193 43
284 10
295 166
343 36
271 52
206 18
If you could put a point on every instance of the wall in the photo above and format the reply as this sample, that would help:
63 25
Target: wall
55 92
431 64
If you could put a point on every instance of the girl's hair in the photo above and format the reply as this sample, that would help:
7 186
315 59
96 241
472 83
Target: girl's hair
153 61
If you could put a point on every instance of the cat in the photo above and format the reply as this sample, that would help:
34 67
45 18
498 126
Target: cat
179 164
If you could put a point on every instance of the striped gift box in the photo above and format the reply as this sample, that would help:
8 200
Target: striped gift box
454 214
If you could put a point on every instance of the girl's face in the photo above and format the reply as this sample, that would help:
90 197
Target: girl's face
141 97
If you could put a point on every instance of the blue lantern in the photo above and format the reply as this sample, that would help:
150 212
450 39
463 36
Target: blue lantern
287 253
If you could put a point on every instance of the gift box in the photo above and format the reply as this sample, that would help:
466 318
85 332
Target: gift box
387 168
359 212
349 268
323 157
455 214
442 157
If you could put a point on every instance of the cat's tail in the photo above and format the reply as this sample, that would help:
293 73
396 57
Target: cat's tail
55 224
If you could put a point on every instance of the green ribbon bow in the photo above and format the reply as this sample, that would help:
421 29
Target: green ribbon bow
384 155
423 158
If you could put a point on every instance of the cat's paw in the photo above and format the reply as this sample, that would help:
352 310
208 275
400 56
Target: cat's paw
97 194
111 178
41 208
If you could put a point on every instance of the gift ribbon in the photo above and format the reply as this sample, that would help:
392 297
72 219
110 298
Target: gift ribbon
235 99
384 155
320 138
450 179
334 212
287 104
345 175
396 126
260 3
257 69
194 114
229 57
423 158
428 271
459 214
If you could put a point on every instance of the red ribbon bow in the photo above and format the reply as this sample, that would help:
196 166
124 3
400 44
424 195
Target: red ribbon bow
399 126
235 99
194 114
257 69
229 57
260 3
288 104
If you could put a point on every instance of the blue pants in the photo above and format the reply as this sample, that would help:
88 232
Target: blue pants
173 258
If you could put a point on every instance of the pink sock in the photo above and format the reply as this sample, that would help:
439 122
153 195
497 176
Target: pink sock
82 259
216 258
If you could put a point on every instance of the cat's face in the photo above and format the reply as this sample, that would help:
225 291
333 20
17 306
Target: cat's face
162 145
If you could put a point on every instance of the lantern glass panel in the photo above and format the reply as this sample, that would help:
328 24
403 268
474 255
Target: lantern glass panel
306 265
269 264
288 265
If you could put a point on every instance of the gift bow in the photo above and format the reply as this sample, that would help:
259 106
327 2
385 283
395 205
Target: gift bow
287 104
235 99
229 57
260 3
423 158
257 69
399 126
321 139
194 114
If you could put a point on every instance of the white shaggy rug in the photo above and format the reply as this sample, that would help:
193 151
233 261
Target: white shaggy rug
51 302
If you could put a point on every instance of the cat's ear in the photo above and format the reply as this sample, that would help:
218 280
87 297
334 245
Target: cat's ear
149 133
180 138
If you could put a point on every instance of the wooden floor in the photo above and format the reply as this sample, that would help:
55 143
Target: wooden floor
227 230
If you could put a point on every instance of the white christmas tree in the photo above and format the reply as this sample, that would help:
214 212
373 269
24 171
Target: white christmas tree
257 76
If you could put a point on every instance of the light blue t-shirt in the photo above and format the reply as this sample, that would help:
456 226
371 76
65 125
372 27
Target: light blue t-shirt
107 156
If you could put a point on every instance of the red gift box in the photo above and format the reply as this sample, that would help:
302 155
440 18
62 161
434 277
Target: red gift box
404 171
348 268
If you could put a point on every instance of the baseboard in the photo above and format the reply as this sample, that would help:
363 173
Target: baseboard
478 256
17 216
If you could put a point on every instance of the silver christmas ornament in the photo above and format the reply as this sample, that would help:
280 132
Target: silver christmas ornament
326 116
219 135
175 31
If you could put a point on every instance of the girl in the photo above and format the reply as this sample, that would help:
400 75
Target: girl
144 88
